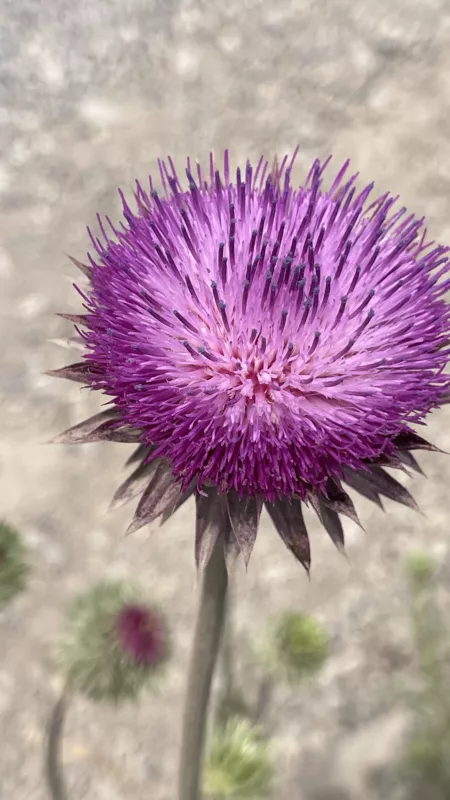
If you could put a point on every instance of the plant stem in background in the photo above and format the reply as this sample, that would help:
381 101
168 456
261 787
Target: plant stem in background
231 700
263 699
228 666
207 637
53 765
429 635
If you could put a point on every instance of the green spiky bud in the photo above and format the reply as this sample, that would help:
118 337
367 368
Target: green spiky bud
420 569
13 565
114 643
425 764
237 764
423 754
299 646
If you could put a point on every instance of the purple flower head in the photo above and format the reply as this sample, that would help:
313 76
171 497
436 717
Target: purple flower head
266 342
141 635
114 642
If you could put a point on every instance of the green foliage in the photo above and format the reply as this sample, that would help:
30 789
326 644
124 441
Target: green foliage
89 652
13 566
426 756
238 764
299 646
426 763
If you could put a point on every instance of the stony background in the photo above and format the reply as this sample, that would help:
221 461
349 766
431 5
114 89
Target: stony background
91 93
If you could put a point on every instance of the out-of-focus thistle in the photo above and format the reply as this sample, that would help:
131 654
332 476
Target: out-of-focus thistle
420 569
262 345
113 644
298 646
425 766
238 764
13 564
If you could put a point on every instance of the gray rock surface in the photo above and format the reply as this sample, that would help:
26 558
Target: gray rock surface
91 93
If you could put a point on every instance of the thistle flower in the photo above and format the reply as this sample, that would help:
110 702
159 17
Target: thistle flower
113 644
13 566
299 646
262 345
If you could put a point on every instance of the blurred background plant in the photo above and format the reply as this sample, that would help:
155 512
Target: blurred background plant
113 645
13 564
238 760
298 646
238 764
426 763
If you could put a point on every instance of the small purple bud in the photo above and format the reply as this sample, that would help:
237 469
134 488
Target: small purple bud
142 635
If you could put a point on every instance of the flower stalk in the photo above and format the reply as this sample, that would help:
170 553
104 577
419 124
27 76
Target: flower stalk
207 638
53 763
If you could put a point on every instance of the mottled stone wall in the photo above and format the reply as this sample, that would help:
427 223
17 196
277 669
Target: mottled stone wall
91 93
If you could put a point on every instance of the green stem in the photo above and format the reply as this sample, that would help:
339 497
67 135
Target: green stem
53 767
264 697
227 655
227 696
207 637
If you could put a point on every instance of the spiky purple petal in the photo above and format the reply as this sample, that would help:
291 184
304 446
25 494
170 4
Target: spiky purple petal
332 524
387 486
287 516
135 484
261 337
211 523
244 514
160 494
